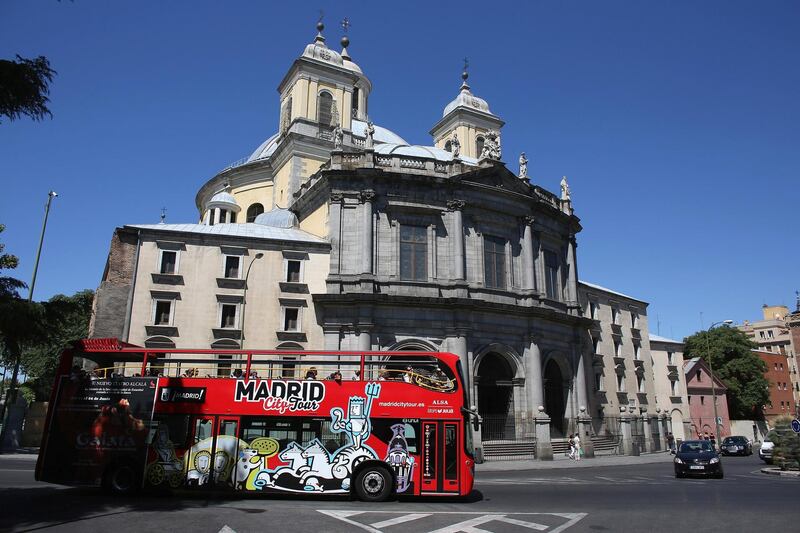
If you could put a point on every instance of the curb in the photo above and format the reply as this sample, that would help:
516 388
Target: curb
779 472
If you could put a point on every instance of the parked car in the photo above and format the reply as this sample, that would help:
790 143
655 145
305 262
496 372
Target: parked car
697 458
736 445
765 452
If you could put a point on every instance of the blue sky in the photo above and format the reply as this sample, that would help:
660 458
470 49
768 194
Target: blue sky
677 124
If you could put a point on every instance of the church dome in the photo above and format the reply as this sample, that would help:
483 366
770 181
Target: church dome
223 200
277 218
318 51
381 135
466 99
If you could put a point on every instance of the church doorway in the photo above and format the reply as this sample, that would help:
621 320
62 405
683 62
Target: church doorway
495 397
554 396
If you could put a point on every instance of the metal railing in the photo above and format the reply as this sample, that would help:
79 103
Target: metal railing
508 437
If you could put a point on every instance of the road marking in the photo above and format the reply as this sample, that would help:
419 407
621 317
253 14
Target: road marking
399 520
467 526
226 529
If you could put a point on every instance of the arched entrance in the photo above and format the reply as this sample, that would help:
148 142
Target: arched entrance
554 395
677 425
495 397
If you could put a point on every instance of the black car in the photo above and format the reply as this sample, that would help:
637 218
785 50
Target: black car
697 458
736 445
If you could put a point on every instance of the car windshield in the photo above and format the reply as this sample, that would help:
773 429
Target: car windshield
696 446
734 440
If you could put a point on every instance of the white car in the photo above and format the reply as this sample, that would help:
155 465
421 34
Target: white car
765 452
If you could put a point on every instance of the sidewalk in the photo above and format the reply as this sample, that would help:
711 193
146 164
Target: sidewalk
566 462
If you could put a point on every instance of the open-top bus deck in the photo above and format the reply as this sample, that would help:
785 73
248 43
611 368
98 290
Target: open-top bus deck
368 423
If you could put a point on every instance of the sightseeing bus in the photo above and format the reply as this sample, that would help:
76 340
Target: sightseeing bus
370 424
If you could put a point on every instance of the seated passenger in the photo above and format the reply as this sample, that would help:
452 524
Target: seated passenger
312 373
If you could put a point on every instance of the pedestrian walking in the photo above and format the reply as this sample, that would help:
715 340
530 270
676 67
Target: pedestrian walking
670 443
571 441
576 442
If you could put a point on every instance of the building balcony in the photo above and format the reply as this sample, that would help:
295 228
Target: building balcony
163 330
226 333
636 333
616 330
230 283
167 279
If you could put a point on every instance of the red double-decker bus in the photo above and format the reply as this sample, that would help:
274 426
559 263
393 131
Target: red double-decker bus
372 424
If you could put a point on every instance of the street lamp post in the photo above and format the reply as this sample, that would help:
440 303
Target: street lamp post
259 255
711 370
11 398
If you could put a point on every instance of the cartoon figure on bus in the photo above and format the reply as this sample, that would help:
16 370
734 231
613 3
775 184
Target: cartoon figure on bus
166 466
398 458
313 468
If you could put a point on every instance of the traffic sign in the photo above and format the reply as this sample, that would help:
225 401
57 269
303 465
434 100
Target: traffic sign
796 425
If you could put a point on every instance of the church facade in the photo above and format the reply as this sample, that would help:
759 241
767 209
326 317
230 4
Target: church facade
336 234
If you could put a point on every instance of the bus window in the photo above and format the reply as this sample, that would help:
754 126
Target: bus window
173 428
202 429
228 427
450 451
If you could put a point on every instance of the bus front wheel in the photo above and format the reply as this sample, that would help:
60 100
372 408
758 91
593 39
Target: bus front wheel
373 484
120 479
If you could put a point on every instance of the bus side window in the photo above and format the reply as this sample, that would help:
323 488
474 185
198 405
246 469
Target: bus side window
202 430
174 428
228 427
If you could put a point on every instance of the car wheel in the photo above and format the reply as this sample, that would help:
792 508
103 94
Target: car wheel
373 484
720 475
678 475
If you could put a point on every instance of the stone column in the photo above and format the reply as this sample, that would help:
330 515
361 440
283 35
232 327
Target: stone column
572 267
534 385
662 436
648 432
585 432
332 337
538 254
544 448
366 242
580 377
627 444
457 207
529 280
459 347
364 339
334 231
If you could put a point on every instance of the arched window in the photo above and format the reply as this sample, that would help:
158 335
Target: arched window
448 146
253 211
479 146
325 109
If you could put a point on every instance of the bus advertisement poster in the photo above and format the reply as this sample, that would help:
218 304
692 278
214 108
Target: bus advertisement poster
97 423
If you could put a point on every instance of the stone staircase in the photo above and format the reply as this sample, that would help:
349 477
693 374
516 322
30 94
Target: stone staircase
526 449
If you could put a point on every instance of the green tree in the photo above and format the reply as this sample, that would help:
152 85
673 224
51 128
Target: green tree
787 445
24 86
63 319
742 371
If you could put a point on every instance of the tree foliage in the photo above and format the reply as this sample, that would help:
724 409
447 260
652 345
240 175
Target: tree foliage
24 86
741 370
786 453
63 319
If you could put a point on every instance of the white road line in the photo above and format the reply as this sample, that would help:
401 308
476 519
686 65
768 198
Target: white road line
399 520
468 526
522 523
342 515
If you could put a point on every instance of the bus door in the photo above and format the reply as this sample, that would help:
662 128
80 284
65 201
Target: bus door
440 456
215 448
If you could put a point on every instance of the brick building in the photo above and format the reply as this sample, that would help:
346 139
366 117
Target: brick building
781 397
701 401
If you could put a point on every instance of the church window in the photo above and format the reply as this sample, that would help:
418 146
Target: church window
291 319
670 358
325 109
293 270
620 383
614 315
448 146
413 252
617 348
162 312
673 385
551 265
593 310
636 352
232 264
598 382
634 319
478 146
228 315
253 211
640 383
356 96
494 260
168 263
232 217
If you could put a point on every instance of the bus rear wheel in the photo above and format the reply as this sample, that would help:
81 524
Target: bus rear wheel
373 484
120 479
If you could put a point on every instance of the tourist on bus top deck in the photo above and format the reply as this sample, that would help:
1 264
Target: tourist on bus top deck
312 373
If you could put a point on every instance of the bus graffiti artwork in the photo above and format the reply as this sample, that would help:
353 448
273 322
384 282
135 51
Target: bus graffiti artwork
311 468
399 459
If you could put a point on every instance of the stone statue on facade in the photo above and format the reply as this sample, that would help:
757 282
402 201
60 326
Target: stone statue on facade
370 142
564 188
491 146
455 145
523 166
338 137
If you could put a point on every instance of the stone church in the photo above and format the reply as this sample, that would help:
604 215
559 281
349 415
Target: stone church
337 234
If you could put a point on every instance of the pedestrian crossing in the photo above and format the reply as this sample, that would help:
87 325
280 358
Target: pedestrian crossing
381 521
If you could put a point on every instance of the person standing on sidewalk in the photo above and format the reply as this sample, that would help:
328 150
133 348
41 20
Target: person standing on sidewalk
577 445
571 441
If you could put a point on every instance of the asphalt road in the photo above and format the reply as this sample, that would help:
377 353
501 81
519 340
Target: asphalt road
639 498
